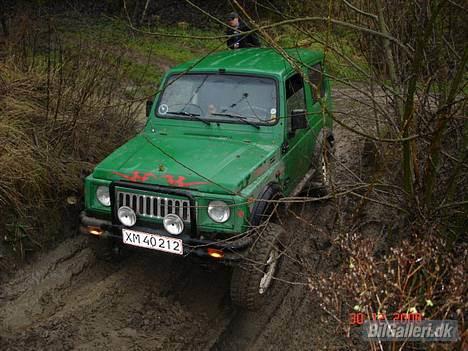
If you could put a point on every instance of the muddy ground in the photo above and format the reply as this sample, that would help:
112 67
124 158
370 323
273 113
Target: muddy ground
67 299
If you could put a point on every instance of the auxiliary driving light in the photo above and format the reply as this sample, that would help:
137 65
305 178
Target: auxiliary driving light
215 253
95 230
173 224
126 216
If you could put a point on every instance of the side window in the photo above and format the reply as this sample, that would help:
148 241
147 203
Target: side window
295 98
318 84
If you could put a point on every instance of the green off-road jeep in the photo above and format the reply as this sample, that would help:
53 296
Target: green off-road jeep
227 136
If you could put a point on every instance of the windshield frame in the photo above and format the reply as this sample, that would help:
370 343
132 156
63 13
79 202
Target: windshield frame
227 119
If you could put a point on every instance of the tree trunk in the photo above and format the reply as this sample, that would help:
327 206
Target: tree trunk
136 13
3 21
4 26
143 15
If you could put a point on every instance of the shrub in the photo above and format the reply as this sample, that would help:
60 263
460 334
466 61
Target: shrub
61 111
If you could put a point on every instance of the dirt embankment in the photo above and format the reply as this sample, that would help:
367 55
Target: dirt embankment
68 300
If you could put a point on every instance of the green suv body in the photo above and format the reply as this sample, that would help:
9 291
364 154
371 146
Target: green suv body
225 136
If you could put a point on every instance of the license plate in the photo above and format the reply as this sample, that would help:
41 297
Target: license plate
152 241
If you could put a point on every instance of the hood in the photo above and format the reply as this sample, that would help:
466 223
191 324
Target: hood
206 163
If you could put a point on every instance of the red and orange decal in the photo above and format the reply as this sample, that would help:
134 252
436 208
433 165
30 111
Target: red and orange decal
136 177
178 181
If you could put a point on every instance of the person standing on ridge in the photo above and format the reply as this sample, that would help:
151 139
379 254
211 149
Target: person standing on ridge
239 40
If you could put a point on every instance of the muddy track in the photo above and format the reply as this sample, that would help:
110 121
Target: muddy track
70 300
67 299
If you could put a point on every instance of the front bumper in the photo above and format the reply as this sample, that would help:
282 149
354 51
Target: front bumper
233 249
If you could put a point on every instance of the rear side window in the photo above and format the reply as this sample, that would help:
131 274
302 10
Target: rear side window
295 98
317 82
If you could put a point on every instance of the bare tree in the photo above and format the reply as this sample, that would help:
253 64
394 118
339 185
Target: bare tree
3 19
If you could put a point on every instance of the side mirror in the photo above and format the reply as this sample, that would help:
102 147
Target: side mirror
299 120
149 104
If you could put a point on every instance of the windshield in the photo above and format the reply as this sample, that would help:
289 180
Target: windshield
219 97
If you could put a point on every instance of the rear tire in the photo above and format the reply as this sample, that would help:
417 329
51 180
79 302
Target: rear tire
252 282
324 161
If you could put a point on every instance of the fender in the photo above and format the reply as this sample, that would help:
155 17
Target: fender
260 208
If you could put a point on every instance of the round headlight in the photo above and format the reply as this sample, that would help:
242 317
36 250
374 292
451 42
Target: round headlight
173 224
219 211
126 216
102 194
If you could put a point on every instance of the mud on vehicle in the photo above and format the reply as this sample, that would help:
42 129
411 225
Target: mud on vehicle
225 137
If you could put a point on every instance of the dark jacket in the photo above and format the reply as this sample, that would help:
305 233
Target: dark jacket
245 41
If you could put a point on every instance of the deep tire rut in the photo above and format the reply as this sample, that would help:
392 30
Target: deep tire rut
70 300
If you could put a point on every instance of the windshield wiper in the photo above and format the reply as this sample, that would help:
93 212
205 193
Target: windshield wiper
188 114
240 118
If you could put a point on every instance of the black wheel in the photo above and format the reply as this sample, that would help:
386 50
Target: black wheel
324 161
107 250
252 282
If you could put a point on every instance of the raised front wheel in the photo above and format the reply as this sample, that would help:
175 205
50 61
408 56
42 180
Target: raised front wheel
253 281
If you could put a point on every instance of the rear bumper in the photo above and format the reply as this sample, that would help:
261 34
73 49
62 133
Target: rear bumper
233 249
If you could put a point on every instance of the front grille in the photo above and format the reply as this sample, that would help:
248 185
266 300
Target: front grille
154 206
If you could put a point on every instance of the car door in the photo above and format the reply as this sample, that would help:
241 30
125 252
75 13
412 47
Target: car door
296 146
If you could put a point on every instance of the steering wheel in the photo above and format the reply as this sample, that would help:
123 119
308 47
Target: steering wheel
257 112
184 107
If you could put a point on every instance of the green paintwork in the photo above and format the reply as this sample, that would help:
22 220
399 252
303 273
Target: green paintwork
226 161
255 61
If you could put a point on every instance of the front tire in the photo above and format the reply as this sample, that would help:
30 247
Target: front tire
252 282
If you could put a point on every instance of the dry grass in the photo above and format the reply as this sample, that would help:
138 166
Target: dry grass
61 111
